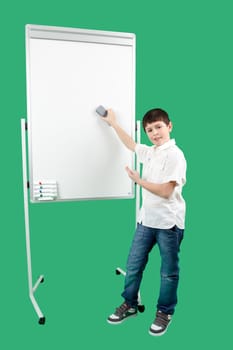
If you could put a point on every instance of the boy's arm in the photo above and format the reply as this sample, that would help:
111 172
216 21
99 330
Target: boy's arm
123 136
163 190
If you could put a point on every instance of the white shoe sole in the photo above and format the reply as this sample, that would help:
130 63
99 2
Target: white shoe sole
157 334
119 322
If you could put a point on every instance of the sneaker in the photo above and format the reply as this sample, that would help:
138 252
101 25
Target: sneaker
122 312
160 324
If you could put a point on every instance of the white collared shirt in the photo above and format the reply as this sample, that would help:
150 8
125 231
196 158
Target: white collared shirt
162 164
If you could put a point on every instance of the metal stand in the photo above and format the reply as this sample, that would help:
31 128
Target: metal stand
32 288
119 271
138 137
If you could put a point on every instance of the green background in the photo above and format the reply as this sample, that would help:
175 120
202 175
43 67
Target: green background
184 65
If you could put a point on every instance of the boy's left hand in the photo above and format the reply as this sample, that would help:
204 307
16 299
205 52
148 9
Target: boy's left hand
133 174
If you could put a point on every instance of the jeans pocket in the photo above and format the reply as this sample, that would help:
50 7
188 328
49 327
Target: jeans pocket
179 233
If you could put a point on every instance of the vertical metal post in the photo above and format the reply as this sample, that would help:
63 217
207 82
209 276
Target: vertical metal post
138 139
27 227
119 271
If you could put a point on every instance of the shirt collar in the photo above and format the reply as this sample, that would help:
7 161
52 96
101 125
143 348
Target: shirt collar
166 145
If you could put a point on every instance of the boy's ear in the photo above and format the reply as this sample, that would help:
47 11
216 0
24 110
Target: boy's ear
170 126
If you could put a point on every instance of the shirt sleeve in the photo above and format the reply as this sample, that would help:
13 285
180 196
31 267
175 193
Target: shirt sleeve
142 152
175 169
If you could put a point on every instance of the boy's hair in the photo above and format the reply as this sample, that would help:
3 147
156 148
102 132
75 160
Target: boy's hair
155 115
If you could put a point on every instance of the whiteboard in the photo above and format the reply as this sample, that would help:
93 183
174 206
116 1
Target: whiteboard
70 72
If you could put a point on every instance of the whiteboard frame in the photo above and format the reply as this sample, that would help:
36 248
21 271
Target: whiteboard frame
77 35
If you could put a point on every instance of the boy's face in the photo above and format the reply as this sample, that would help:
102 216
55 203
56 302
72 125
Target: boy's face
158 132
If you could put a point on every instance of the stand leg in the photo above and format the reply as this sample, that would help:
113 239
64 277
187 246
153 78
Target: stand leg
27 228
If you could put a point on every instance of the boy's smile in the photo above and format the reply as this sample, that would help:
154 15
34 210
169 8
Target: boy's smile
158 132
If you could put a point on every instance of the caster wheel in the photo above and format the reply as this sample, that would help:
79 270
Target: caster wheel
41 320
141 308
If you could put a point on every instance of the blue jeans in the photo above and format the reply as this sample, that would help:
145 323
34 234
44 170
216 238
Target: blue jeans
145 239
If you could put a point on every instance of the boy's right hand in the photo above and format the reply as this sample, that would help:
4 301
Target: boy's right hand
110 117
123 136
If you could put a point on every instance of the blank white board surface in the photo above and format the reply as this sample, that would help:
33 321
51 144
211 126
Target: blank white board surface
70 72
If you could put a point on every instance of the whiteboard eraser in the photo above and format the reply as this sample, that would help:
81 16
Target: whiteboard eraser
101 111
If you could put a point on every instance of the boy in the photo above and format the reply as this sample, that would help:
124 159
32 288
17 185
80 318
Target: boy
161 217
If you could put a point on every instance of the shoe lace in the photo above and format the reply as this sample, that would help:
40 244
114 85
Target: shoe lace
121 309
161 319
